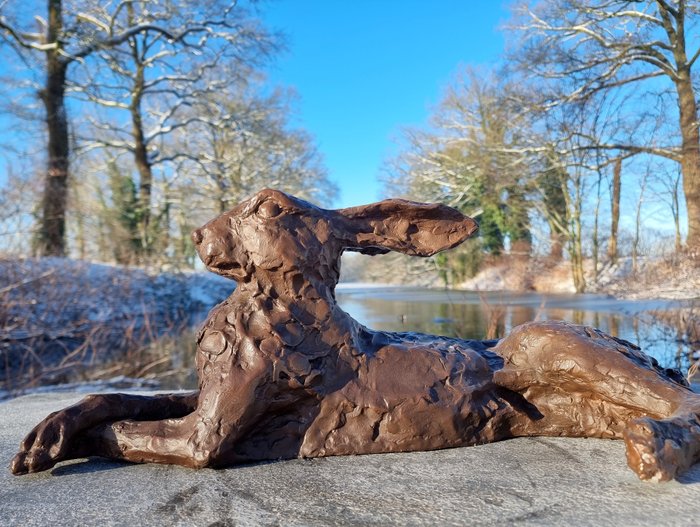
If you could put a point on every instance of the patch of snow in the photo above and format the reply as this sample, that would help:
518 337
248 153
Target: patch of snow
653 278
489 279
119 382
207 288
57 306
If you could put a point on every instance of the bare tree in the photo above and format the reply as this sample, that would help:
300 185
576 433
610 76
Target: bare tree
70 32
670 180
472 158
571 177
242 141
566 219
155 82
638 222
588 47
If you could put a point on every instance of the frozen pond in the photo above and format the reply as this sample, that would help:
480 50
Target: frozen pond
480 315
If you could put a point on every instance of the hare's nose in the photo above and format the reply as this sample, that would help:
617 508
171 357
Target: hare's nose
197 237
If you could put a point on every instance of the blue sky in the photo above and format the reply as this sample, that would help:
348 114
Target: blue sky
364 69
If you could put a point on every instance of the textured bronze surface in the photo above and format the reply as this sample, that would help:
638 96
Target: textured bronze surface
284 372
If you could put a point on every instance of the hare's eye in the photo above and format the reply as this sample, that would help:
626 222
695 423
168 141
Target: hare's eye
269 209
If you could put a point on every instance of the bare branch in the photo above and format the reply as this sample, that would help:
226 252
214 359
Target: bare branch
26 40
669 153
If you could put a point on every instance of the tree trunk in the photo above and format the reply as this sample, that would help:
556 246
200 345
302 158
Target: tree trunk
142 162
80 235
556 244
574 209
576 254
596 230
678 242
145 183
52 229
221 200
690 146
553 184
690 160
615 210
638 226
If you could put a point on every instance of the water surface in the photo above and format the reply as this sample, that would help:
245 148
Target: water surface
480 315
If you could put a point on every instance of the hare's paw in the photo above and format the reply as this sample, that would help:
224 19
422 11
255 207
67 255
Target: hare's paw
48 443
659 450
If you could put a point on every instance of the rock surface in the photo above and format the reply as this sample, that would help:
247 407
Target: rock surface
531 481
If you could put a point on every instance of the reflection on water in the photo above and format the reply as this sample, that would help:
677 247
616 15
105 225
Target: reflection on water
471 315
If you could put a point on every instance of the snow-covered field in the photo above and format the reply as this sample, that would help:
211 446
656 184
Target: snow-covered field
57 313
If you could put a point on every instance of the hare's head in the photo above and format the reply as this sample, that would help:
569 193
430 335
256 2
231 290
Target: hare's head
270 231
275 232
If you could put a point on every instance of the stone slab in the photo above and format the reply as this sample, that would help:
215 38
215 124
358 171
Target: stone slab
528 481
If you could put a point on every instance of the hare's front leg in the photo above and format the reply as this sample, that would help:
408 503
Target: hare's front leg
229 406
64 434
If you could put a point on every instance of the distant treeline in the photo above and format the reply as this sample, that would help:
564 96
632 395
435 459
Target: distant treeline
581 143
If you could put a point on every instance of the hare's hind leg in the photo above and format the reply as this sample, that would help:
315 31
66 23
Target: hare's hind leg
65 434
586 383
661 449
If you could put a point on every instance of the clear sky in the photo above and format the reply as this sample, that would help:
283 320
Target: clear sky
366 68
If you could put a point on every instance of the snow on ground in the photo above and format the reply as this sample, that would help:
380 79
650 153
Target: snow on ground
491 279
522 275
119 382
102 292
57 312
208 289
653 278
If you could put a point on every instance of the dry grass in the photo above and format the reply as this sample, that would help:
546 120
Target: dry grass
685 325
69 323
495 317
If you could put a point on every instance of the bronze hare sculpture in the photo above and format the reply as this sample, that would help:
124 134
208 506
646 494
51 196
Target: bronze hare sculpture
284 372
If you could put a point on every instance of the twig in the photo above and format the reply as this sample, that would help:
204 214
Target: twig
25 282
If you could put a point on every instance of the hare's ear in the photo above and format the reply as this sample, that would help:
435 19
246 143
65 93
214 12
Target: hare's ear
418 229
